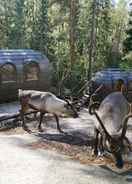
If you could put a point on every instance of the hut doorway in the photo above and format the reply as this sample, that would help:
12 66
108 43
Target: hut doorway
119 85
31 75
8 80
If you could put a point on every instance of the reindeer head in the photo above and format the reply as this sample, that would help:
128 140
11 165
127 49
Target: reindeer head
114 144
71 109
24 99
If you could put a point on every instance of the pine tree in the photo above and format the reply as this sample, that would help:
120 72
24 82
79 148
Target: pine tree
16 36
6 22
128 40
73 22
92 37
127 60
119 24
42 27
103 33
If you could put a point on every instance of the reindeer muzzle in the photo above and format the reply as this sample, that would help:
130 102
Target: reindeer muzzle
119 161
75 115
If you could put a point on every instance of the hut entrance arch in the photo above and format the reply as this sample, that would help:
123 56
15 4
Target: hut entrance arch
119 85
8 73
8 79
31 75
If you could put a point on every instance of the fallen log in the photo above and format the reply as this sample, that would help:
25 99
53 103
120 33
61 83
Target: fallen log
14 123
4 117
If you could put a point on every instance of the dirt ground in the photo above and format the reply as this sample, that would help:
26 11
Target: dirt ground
76 142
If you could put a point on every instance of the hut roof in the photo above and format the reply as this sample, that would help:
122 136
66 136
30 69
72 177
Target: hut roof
20 55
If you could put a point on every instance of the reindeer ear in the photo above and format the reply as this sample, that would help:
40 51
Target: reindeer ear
68 101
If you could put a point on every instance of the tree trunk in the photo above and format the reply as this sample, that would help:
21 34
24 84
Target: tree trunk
72 31
92 40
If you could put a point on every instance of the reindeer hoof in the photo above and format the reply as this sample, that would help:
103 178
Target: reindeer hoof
40 130
101 154
65 133
26 129
29 131
94 153
61 131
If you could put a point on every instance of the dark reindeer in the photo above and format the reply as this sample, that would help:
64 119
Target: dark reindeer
44 102
111 125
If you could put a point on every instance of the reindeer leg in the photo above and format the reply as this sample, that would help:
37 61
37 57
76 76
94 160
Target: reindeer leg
58 125
40 122
95 149
101 148
24 126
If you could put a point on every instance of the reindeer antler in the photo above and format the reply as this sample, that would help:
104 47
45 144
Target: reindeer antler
92 107
92 111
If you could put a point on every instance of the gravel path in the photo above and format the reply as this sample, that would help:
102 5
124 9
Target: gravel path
21 165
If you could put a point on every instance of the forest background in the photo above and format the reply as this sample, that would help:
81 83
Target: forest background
79 37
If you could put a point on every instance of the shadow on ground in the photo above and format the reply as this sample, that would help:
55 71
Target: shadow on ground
108 174
72 138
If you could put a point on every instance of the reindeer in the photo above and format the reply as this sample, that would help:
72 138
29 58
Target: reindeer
111 125
44 102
